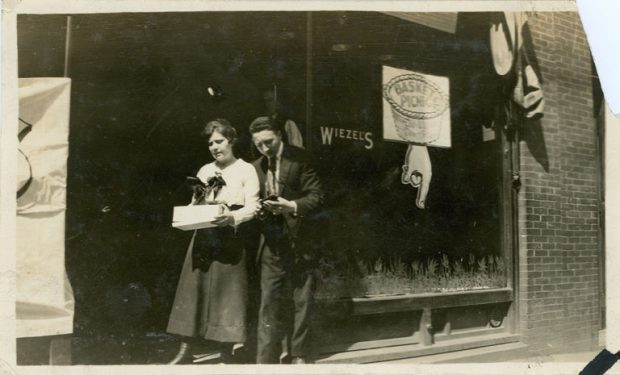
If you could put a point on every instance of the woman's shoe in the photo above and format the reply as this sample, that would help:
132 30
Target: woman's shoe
183 356
210 357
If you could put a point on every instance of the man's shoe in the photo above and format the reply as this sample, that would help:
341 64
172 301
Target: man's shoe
299 361
240 355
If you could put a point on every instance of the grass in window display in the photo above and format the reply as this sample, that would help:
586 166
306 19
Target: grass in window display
397 277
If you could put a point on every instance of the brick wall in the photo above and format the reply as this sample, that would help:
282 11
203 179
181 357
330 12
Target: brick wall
558 209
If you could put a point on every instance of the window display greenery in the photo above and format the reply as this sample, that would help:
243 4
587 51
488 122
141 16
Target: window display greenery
393 276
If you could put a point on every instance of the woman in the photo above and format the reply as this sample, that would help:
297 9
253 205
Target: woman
211 300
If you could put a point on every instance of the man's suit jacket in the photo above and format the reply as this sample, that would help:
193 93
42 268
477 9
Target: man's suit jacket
298 181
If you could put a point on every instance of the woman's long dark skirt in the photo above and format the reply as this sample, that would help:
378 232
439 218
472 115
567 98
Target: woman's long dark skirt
211 300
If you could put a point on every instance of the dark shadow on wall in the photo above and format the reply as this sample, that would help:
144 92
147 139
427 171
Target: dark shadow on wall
532 131
534 137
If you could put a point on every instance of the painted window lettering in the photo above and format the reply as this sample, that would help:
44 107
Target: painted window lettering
328 133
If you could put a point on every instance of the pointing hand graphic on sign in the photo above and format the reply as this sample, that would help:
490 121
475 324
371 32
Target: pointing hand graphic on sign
417 172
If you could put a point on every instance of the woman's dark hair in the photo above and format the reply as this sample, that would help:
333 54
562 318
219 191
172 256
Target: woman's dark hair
223 127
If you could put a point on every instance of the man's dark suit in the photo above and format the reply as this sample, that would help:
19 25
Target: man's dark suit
286 256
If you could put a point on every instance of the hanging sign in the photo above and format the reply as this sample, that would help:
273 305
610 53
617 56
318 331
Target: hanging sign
416 108
44 297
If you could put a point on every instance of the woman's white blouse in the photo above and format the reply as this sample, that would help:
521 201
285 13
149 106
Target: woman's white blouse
242 187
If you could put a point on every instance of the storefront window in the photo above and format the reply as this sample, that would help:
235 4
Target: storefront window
381 241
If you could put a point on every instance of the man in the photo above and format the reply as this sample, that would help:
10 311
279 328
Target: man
291 191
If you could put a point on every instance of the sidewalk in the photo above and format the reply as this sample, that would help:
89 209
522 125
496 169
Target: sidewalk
580 357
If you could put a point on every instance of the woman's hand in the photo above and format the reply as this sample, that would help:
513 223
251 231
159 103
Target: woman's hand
199 194
258 212
225 218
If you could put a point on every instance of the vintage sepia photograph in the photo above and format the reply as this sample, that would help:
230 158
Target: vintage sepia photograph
308 187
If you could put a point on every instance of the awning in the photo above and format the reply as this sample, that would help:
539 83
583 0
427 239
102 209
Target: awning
440 21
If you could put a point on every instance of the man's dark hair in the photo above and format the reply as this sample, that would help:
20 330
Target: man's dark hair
264 123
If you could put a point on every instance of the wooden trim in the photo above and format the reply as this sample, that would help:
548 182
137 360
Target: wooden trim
509 163
60 350
411 302
417 350
309 79
471 332
479 333
511 228
426 327
371 344
68 47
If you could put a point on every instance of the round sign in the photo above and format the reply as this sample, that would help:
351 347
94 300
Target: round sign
415 97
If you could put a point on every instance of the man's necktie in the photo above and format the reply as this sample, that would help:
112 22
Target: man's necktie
272 185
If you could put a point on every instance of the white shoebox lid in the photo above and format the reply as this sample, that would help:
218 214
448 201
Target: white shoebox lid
195 216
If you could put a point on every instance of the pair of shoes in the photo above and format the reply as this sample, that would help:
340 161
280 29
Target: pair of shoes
227 354
299 361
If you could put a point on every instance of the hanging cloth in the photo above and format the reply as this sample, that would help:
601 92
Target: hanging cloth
293 134
510 52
